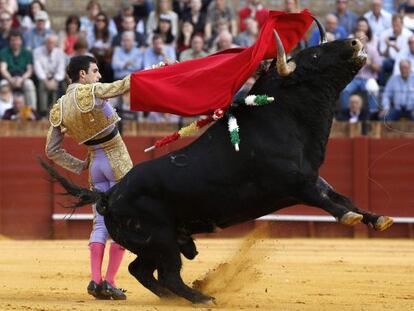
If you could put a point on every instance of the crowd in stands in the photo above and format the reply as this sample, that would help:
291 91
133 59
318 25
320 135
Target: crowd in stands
33 55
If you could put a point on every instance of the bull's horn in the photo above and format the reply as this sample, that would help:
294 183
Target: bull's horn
322 31
283 68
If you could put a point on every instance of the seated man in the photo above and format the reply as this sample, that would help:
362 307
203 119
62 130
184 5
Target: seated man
356 112
16 66
49 68
398 97
20 111
127 58
158 52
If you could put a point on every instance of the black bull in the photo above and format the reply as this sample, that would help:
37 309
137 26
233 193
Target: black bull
159 204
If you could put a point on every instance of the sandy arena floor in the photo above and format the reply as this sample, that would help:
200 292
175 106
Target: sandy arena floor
260 274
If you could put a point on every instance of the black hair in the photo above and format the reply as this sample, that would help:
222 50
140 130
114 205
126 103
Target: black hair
70 19
78 63
16 33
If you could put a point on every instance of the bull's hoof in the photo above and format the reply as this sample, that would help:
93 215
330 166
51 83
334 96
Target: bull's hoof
205 300
383 223
351 219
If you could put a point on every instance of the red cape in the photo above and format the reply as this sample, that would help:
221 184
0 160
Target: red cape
201 86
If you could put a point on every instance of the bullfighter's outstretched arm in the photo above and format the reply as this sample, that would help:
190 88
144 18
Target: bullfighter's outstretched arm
57 154
113 89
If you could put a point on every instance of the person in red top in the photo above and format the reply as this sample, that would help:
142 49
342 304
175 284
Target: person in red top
253 9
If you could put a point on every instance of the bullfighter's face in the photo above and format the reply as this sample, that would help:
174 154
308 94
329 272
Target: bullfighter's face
92 75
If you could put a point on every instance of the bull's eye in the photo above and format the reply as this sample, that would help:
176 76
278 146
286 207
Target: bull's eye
315 56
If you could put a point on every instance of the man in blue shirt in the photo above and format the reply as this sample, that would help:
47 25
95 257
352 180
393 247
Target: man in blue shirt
127 58
158 52
331 25
346 18
398 97
37 36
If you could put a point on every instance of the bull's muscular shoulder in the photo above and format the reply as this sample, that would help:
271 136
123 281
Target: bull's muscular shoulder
84 97
56 114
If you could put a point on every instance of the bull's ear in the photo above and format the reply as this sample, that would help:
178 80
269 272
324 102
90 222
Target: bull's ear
283 68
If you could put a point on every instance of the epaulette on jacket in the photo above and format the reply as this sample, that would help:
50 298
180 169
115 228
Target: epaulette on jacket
85 99
56 114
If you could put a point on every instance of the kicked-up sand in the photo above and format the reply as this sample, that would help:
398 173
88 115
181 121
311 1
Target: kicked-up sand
254 273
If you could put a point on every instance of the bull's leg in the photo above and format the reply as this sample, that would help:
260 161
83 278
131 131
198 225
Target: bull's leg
378 222
169 267
313 195
142 269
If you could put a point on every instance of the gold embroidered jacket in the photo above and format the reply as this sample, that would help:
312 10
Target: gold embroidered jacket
80 113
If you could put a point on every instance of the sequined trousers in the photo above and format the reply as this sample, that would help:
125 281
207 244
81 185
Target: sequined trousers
109 162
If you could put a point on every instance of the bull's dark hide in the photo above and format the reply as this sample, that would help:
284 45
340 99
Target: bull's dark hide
159 204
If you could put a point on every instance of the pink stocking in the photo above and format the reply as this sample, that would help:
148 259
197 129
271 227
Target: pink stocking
97 253
116 252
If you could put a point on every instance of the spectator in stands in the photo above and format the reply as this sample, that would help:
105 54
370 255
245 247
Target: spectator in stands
88 21
6 97
180 7
49 67
346 18
16 66
378 18
196 50
36 36
219 10
254 9
127 58
20 111
9 6
408 13
5 28
128 24
158 52
164 29
163 7
24 6
369 71
185 36
392 41
292 6
99 43
355 111
81 47
407 53
398 97
223 42
249 36
331 25
142 9
196 16
126 10
70 35
28 21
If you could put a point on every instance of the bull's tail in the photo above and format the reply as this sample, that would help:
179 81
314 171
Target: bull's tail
84 196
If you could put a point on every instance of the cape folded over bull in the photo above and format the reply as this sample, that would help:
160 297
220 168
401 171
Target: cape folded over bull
159 204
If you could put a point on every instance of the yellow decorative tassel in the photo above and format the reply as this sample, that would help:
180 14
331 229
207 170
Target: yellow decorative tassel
189 130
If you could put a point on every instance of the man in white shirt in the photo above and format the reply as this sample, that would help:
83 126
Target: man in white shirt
49 68
393 40
406 53
378 18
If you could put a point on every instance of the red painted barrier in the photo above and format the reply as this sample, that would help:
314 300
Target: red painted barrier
378 174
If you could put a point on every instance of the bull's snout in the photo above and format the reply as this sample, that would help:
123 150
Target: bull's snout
356 45
358 48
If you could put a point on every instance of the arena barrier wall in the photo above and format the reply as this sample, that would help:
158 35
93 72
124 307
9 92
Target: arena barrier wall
378 174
